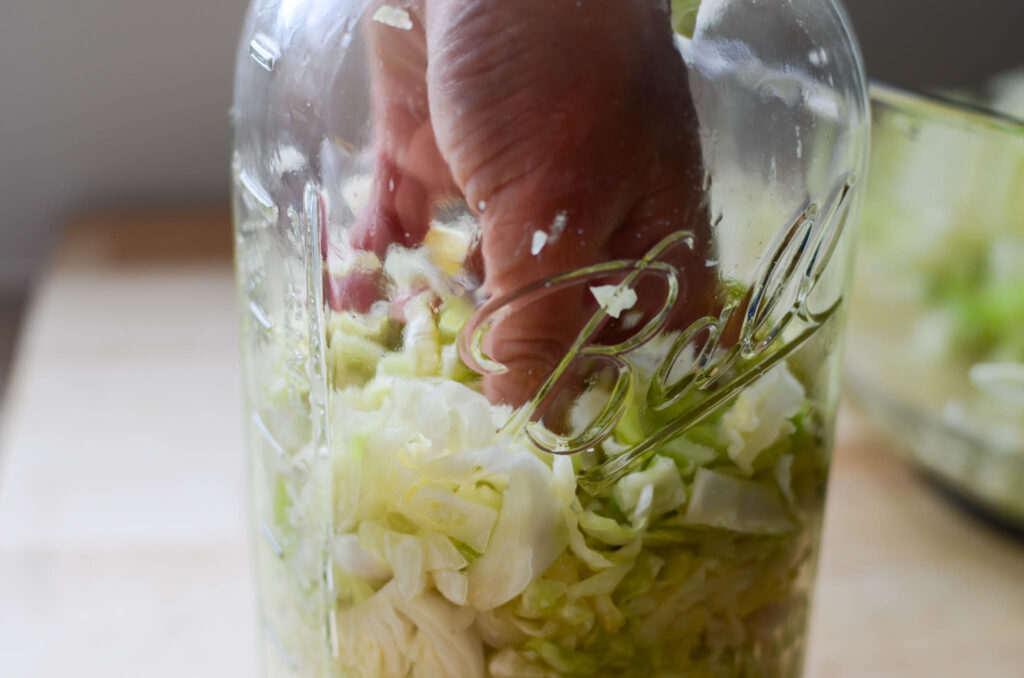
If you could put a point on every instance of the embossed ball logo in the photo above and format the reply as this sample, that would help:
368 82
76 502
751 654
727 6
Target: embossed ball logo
777 318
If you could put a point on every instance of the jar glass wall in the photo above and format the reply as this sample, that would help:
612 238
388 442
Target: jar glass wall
542 306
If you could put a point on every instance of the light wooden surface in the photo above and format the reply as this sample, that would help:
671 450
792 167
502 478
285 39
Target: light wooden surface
123 548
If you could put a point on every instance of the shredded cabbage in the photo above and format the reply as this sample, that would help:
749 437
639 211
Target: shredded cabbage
760 416
457 551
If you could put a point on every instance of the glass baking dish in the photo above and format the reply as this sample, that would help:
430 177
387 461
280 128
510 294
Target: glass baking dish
936 346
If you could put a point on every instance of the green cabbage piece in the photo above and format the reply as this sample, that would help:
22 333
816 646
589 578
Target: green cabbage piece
684 16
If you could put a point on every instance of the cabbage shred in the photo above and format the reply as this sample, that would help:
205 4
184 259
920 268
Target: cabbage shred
454 553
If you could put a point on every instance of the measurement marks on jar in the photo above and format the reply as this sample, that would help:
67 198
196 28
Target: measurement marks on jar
255 279
328 580
268 536
264 51
258 196
268 628
259 214
265 433
260 315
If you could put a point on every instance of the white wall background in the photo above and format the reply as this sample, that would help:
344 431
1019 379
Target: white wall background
110 100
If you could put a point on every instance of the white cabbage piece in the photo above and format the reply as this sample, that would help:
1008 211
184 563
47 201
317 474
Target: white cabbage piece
422 346
453 417
390 636
607 530
446 645
433 459
412 271
529 535
357 192
530 531
452 584
497 630
760 416
437 508
736 504
565 486
666 492
396 17
382 452
605 581
350 558
403 553
509 663
578 545
373 637
784 477
389 469
448 247
614 299
440 554
588 407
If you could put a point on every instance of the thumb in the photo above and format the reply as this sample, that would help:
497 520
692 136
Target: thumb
551 223
533 232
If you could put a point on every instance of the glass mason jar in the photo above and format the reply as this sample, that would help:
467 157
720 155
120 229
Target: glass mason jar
542 309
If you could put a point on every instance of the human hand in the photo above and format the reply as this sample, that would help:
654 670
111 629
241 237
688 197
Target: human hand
568 117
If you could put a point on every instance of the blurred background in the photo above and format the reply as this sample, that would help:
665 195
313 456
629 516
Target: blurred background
106 102
114 131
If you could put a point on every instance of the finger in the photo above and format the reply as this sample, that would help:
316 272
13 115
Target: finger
678 204
533 230
409 173
408 168
398 210
601 135
675 196
519 249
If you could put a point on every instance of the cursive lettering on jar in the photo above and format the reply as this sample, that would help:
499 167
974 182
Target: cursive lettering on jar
776 315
